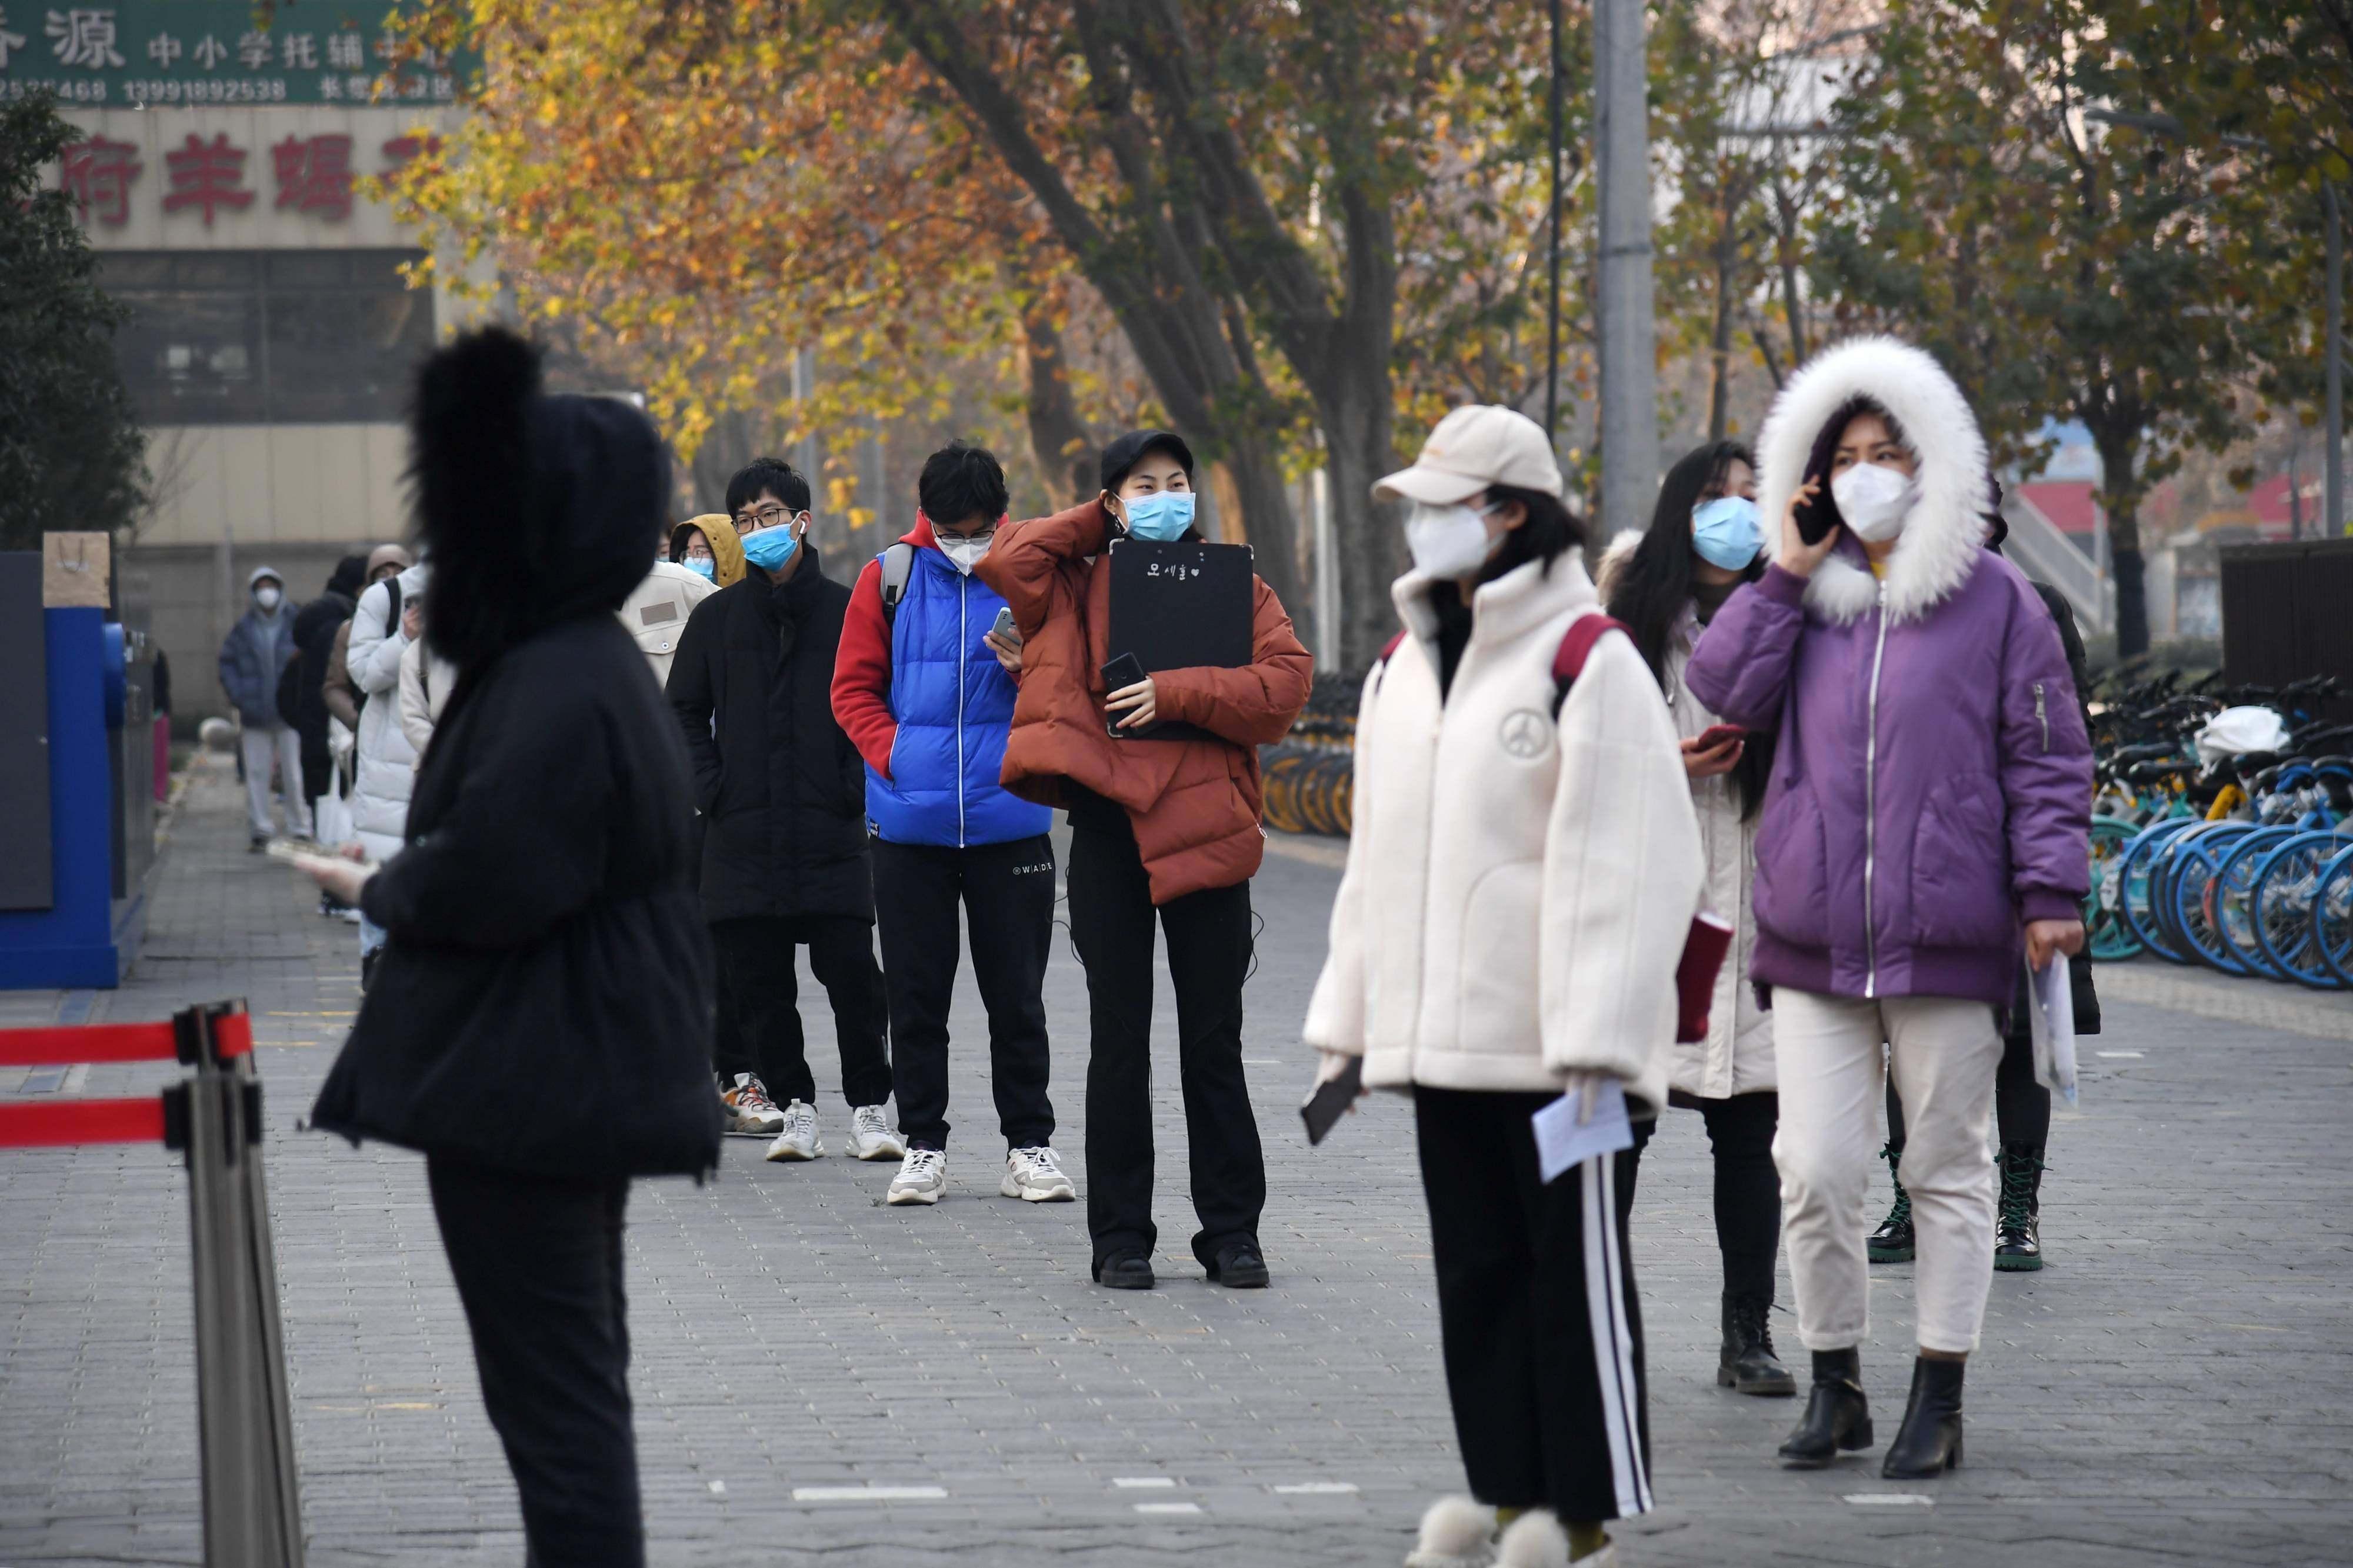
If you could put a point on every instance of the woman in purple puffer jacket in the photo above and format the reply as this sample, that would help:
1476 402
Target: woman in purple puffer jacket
1929 813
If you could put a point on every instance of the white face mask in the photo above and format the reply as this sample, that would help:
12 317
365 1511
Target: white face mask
267 599
964 554
1450 540
1874 501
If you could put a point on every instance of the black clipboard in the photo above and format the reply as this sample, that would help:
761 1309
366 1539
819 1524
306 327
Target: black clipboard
1180 605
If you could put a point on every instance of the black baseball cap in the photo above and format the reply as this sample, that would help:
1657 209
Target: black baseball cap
1125 451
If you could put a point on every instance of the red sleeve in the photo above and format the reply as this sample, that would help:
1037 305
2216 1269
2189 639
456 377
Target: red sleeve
861 673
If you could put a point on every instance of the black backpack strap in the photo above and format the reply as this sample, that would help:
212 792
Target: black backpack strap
898 566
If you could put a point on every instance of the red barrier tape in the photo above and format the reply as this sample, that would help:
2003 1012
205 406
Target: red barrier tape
233 1036
47 1126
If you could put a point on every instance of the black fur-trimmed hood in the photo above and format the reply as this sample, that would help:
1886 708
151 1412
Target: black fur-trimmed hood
536 508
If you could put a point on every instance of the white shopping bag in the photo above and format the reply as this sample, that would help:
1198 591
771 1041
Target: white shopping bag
331 820
2051 1006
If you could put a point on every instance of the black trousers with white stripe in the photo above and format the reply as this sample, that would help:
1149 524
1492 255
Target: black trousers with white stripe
1537 1310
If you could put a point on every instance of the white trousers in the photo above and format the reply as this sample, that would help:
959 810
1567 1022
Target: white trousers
263 745
1942 1052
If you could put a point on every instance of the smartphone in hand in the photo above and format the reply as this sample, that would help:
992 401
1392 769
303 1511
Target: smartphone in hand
1121 673
1816 517
1324 1106
1715 736
1004 626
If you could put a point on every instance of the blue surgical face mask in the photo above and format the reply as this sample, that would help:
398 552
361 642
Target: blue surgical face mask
1165 515
1726 534
700 565
770 548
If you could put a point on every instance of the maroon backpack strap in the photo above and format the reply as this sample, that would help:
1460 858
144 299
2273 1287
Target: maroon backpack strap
1575 646
1381 665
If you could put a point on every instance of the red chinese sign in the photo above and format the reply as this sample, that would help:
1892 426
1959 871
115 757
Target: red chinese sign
314 175
205 175
99 173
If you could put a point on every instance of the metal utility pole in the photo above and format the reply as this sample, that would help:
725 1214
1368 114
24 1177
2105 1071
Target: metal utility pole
1552 306
2333 464
1629 418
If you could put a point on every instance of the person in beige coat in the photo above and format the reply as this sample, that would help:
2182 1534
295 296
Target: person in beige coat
1664 584
426 682
1522 879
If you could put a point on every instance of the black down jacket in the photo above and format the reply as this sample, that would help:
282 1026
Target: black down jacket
782 786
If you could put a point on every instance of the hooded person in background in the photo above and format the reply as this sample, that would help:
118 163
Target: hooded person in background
426 679
1164 837
1928 816
708 547
544 949
344 699
386 767
253 656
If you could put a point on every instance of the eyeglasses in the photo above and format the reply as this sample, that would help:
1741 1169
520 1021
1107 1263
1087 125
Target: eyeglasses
764 517
700 553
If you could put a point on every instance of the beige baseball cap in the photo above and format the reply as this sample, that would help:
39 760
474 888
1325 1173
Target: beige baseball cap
1476 446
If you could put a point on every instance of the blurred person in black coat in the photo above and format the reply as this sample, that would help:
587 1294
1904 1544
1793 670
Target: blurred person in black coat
540 1024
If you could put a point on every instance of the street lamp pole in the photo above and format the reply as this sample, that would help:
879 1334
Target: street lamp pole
1552 306
1629 419
2332 462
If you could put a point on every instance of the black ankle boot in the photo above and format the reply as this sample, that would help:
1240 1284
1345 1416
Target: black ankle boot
1747 1363
1836 1415
1929 1442
1892 1242
2018 1229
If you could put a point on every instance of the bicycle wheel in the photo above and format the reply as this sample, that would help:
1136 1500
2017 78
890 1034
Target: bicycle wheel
2196 862
2233 914
2282 906
2148 886
2109 938
2331 916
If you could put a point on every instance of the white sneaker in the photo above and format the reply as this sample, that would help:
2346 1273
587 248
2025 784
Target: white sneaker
798 1141
922 1177
1035 1175
747 1110
1456 1532
871 1136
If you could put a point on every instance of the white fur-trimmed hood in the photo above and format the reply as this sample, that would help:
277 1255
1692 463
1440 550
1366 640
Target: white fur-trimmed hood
1943 537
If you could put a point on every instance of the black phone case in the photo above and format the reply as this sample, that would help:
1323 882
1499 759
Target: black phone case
1814 517
1329 1102
1129 671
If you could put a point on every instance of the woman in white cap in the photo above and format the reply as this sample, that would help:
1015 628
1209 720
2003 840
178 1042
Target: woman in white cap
1524 872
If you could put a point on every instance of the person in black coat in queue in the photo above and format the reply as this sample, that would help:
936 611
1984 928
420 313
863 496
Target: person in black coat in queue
543 947
785 860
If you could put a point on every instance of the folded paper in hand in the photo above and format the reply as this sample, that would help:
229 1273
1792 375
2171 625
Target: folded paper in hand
1562 1141
2051 1025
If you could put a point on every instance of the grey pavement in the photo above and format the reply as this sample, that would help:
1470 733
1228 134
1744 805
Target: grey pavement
2173 1388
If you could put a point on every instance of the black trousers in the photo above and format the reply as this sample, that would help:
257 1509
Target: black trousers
1747 1187
1536 1310
538 1265
1007 893
755 963
2021 1106
1111 920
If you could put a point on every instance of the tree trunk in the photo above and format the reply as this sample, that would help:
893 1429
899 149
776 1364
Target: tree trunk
2117 440
1719 393
1360 448
1059 437
1266 520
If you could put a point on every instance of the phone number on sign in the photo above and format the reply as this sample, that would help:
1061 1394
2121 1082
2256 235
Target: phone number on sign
264 89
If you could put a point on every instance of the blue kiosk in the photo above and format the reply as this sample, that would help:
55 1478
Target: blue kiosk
76 791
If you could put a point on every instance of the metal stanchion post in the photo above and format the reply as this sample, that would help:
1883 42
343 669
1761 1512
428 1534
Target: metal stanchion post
252 1507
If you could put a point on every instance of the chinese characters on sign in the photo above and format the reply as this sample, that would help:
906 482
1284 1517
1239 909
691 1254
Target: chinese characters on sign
210 51
313 174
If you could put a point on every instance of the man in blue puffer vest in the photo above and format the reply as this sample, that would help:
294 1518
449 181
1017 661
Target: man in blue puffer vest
924 686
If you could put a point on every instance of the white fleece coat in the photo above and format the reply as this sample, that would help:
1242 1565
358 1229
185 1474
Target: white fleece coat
387 762
1736 1057
1518 891
656 610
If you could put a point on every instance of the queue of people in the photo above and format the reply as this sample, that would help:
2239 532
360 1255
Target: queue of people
1850 737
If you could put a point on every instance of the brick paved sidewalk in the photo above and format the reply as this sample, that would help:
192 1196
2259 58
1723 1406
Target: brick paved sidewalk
2173 1388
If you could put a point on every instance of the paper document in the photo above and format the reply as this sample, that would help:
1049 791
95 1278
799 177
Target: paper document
1562 1141
2053 1024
